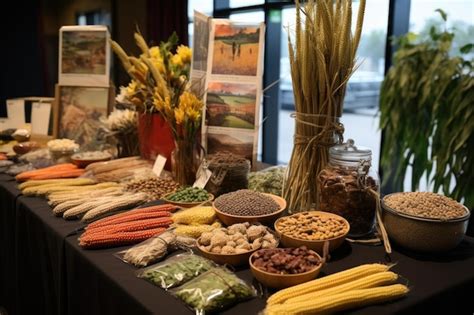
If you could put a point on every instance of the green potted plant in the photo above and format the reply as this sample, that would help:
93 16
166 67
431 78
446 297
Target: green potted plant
427 113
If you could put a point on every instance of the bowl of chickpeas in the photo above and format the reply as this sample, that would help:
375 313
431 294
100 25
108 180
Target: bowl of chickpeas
312 229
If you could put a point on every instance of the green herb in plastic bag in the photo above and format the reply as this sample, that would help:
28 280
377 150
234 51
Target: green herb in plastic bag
176 270
214 290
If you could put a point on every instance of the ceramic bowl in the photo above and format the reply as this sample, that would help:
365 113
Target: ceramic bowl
183 204
267 219
423 234
316 245
279 281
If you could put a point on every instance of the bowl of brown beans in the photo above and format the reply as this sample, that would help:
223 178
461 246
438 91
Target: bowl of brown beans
312 229
248 206
280 268
424 221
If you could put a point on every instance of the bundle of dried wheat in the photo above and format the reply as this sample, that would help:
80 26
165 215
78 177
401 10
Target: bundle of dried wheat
322 58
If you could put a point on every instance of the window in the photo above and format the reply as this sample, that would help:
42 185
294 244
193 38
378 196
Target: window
98 17
360 115
203 6
244 3
460 17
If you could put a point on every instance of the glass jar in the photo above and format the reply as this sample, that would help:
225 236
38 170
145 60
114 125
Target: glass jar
185 161
345 187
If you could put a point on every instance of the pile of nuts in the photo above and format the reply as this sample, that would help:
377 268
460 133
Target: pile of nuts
286 260
238 239
312 226
154 187
246 202
425 204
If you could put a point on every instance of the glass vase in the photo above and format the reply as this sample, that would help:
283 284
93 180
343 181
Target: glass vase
185 161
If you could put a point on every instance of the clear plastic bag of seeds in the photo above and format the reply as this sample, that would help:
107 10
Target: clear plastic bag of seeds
176 270
214 291
155 249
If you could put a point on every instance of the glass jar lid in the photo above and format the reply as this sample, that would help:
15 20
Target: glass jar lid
349 152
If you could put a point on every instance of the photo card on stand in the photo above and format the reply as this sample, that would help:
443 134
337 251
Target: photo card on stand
84 55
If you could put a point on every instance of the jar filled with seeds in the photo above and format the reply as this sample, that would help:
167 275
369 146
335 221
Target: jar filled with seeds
349 187
229 173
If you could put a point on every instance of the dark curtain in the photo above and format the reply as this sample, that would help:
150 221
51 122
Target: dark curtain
23 68
166 17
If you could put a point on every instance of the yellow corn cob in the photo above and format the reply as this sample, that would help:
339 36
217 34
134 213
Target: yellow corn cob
72 189
374 280
196 215
66 181
326 282
195 230
340 301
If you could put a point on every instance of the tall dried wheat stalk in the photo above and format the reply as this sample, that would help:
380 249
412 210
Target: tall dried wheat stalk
322 58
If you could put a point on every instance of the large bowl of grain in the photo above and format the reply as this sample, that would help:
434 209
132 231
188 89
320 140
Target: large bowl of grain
248 206
424 221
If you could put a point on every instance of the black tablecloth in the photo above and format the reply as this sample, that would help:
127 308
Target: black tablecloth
44 271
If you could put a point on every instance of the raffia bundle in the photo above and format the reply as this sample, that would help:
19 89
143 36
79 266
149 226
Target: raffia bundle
322 58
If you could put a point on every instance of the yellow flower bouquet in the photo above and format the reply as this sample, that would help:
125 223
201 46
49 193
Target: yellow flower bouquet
160 83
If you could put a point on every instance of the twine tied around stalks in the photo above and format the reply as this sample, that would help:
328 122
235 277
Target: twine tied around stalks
314 134
327 130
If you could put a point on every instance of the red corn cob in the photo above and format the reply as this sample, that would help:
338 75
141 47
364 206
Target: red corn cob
119 239
131 226
123 217
129 219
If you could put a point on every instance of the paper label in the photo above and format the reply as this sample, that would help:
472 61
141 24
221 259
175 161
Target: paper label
159 165
202 176
16 113
4 123
40 115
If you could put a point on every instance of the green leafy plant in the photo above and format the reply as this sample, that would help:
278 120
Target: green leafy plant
427 109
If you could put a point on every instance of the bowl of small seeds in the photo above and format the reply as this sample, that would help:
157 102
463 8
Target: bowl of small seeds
246 205
424 221
188 197
312 229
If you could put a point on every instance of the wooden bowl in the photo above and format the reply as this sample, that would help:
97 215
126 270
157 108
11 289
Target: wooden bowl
278 281
267 219
226 259
187 204
335 242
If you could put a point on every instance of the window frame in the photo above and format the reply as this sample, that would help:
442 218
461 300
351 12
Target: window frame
398 24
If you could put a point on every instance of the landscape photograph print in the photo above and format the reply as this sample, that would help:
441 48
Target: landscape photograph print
236 50
81 111
231 105
238 143
84 52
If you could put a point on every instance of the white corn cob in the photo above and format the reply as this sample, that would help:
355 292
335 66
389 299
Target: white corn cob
56 199
80 210
106 209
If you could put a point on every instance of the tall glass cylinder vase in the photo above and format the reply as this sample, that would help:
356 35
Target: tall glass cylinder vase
185 161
